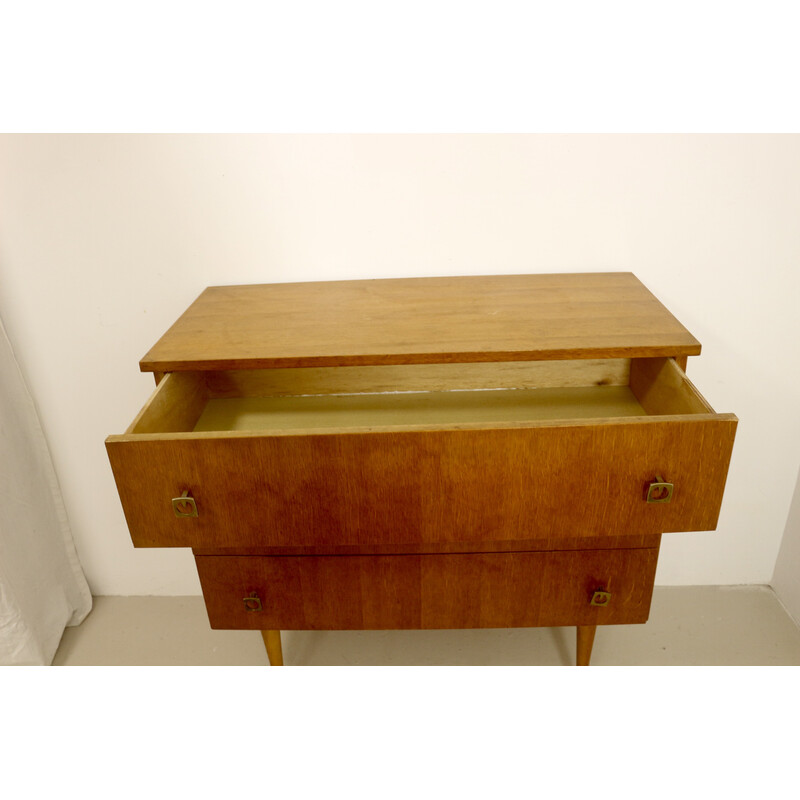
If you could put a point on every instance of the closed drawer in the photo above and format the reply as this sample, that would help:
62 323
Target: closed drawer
487 452
470 590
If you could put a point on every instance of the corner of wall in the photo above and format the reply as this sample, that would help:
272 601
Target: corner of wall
785 578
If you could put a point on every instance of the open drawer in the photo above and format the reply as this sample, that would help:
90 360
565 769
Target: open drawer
429 453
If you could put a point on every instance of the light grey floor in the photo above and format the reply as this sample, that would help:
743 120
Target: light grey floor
687 626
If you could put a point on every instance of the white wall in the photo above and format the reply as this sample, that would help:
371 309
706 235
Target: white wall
787 567
104 240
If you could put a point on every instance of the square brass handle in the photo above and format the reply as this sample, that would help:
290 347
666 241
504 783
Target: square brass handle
659 491
252 602
184 506
600 598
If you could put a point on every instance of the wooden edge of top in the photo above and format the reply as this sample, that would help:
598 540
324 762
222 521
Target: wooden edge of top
400 359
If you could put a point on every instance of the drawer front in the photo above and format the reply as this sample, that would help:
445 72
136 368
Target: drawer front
468 590
423 486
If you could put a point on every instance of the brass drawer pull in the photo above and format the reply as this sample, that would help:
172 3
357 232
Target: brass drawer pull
600 598
184 506
659 491
253 602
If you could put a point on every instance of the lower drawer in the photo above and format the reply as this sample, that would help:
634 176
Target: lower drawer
455 590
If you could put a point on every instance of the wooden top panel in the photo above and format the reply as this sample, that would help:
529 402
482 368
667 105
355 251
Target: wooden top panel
419 321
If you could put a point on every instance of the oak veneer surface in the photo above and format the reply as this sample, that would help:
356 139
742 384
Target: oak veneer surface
486 590
418 377
421 320
478 546
543 480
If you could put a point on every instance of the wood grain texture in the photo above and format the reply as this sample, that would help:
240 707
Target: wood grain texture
431 519
489 590
272 643
585 642
419 377
175 405
543 480
509 545
661 386
421 320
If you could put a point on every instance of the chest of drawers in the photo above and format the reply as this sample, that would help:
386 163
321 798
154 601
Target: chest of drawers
423 453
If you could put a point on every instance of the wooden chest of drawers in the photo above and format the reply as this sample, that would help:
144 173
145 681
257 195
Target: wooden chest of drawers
424 453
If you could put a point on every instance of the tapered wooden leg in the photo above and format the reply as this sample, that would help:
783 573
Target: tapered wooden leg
272 641
585 642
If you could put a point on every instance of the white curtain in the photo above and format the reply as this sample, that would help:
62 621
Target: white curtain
42 586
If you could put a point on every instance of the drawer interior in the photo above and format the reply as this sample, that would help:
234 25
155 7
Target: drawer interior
413 395
419 408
